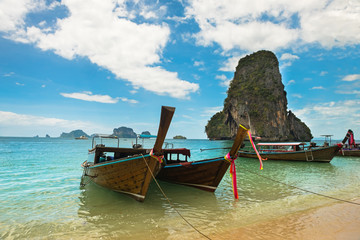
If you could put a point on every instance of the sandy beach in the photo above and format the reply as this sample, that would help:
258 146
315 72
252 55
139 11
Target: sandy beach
336 221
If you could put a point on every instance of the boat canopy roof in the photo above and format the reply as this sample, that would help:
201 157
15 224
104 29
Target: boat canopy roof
147 136
104 136
282 144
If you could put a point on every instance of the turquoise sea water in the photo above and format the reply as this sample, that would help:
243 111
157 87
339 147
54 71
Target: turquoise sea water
41 198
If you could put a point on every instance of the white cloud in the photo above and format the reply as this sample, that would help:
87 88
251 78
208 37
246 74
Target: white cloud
198 63
128 100
275 24
318 88
14 124
287 59
323 73
352 77
8 74
333 24
331 117
103 32
291 82
20 84
224 81
288 56
88 96
13 13
296 95
231 63
210 111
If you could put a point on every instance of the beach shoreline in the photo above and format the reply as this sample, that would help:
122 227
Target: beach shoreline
340 220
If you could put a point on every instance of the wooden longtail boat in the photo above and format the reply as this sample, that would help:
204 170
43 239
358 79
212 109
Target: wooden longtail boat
127 170
204 174
292 152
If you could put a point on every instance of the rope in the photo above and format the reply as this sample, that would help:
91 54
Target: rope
319 194
171 205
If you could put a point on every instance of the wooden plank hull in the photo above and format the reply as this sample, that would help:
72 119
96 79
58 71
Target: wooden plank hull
130 176
349 152
324 154
204 174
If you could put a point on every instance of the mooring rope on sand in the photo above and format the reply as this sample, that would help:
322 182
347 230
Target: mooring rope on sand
319 194
171 205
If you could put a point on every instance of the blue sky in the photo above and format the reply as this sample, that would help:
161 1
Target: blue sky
97 65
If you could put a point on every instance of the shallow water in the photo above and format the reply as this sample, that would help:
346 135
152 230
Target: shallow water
41 197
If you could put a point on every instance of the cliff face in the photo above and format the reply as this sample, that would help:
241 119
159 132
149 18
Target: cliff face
256 95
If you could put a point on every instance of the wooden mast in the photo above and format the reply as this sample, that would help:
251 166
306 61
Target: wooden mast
240 136
165 119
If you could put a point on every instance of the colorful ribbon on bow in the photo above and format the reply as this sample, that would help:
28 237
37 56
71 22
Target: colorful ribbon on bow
159 158
233 173
257 153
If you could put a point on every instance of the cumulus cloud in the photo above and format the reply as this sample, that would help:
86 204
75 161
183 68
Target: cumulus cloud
128 100
275 24
352 77
288 56
287 59
88 96
103 32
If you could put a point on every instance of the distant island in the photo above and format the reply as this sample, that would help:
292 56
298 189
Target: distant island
179 137
74 134
121 132
124 132
256 97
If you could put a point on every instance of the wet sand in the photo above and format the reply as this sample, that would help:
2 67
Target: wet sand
336 221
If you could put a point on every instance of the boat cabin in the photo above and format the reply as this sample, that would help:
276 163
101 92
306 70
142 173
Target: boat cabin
281 147
176 155
100 153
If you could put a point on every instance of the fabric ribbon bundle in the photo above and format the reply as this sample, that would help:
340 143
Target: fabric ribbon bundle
233 167
159 158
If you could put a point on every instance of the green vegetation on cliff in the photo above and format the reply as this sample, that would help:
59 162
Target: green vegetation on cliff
216 128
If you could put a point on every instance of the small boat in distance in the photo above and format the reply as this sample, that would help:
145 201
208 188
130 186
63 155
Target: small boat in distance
203 174
83 137
126 170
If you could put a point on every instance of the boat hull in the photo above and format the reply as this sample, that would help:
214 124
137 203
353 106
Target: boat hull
349 152
131 176
204 174
324 154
